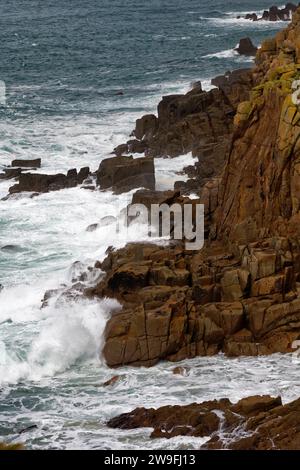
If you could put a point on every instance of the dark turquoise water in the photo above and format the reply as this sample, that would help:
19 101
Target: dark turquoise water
81 53
63 64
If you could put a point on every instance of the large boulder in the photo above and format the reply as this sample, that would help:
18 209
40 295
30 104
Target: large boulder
246 47
146 126
122 174
36 163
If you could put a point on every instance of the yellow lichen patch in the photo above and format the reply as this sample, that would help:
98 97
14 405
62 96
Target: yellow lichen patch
243 112
269 45
288 75
280 37
289 110
288 131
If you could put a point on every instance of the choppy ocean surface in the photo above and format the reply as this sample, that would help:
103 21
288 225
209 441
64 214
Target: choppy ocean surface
64 66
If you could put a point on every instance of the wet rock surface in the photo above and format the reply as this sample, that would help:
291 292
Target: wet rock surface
254 423
19 166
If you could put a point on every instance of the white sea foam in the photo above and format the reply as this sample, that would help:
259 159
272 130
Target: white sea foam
169 170
226 54
68 333
234 22
229 54
53 236
245 24
80 406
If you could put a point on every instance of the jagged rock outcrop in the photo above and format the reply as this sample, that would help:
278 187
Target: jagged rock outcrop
199 122
179 304
254 423
246 47
18 166
235 86
273 14
42 183
259 193
121 174
35 163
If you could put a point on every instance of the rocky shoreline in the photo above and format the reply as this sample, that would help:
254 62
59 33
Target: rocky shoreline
240 295
254 423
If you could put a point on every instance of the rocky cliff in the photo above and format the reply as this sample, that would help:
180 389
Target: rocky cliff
241 293
259 190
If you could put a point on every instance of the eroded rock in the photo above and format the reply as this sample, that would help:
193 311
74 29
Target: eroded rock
121 174
254 423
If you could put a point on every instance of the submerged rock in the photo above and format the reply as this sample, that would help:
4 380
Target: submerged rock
29 428
92 227
180 370
112 381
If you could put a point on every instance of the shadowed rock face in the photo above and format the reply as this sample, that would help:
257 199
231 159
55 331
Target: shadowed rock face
18 166
42 183
246 47
181 122
241 293
274 13
121 174
259 190
36 163
254 423
199 122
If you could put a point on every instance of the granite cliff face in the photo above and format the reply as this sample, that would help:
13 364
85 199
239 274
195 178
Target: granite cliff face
199 122
241 293
259 190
